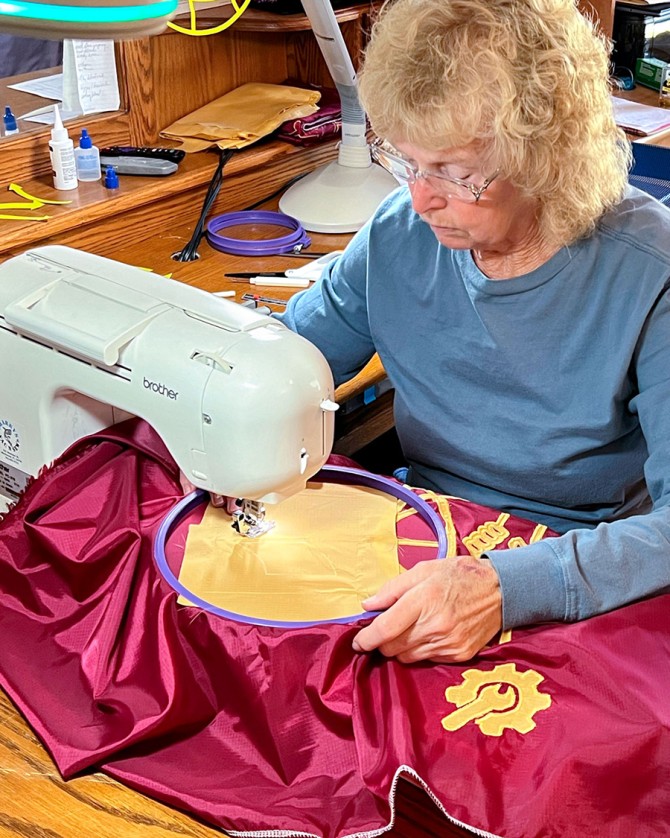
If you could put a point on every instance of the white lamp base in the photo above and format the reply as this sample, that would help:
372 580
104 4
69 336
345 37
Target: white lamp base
336 198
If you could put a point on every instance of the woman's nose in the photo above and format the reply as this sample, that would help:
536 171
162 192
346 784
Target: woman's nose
425 196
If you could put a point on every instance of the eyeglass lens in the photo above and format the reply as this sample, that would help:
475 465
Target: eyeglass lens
406 174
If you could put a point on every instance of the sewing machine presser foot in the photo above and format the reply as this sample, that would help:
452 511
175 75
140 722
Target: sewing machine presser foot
249 518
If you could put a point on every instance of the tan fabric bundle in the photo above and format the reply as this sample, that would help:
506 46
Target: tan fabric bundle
242 116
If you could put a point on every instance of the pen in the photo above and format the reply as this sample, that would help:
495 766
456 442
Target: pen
249 274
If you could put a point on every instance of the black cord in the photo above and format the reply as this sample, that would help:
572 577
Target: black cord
190 250
274 194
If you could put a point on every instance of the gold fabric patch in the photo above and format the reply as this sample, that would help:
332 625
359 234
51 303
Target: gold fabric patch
503 698
332 546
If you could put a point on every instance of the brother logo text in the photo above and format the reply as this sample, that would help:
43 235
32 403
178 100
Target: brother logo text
161 389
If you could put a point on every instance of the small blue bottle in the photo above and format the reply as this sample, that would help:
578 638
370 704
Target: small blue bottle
10 122
87 158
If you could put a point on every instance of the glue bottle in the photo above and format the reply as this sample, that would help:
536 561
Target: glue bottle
61 150
9 120
87 158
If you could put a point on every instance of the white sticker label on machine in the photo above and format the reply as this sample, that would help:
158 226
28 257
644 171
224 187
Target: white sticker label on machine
12 480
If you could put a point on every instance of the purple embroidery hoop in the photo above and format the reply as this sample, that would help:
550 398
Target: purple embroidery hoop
296 240
328 474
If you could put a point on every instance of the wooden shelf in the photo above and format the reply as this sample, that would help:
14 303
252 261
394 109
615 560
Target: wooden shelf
96 212
255 20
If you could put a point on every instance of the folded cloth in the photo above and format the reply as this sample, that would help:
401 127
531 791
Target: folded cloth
241 117
317 127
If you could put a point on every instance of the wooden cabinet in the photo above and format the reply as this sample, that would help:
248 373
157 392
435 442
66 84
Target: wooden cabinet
164 77
600 10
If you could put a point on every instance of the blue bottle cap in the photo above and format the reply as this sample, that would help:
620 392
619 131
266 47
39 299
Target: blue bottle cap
111 178
85 141
9 119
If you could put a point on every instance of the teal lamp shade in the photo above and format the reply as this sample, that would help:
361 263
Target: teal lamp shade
114 19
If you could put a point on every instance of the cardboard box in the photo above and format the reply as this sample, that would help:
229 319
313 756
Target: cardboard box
648 71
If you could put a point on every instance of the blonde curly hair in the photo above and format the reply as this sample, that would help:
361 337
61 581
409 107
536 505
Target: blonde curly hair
527 78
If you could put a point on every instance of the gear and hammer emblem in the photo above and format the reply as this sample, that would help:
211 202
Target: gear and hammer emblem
500 699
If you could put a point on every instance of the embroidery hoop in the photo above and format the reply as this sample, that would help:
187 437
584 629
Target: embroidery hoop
328 474
293 242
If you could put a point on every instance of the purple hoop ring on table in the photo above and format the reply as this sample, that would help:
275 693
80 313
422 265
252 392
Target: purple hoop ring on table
296 240
328 474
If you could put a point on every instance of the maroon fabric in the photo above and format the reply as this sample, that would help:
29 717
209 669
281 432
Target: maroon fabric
325 124
256 729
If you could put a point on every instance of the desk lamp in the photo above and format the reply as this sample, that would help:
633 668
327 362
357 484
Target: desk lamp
340 196
113 19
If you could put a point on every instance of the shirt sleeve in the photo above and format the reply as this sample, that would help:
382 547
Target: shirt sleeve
590 571
333 313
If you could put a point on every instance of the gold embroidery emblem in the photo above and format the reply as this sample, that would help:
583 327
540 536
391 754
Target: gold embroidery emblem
498 700
487 536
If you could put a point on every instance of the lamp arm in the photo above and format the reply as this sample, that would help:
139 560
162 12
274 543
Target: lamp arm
334 50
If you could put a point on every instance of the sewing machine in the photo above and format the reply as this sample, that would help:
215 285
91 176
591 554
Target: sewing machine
244 405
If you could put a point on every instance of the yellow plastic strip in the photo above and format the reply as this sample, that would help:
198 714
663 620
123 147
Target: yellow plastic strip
21 192
151 271
22 205
7 217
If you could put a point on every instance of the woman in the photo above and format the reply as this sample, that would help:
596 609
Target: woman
517 294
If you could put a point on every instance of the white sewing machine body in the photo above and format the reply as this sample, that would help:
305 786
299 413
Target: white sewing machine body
244 405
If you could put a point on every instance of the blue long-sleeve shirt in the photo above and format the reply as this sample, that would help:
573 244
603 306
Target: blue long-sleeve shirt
546 395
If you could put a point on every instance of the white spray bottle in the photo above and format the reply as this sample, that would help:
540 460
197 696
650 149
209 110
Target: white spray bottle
61 150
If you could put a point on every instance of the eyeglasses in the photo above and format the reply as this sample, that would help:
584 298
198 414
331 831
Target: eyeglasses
406 172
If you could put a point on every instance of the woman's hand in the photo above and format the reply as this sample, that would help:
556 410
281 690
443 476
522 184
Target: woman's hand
441 610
